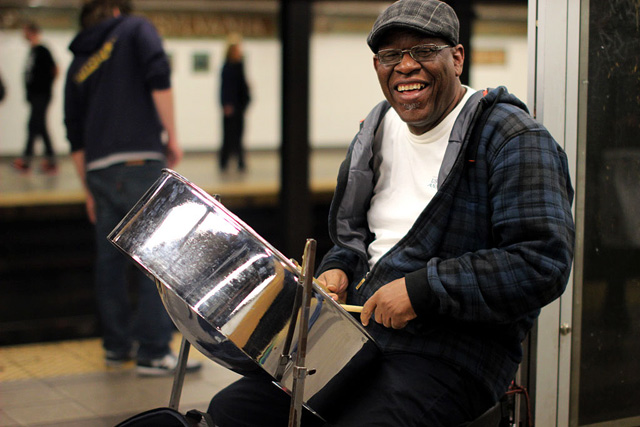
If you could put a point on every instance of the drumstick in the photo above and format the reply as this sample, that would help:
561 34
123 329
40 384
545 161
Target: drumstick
348 307
352 308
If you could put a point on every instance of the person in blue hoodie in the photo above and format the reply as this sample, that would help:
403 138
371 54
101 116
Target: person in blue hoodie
120 125
452 227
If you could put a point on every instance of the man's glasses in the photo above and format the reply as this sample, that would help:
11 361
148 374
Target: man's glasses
420 53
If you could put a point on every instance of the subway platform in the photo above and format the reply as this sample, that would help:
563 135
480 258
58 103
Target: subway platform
258 184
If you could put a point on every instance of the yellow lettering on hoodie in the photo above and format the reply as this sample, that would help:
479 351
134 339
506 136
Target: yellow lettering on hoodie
94 62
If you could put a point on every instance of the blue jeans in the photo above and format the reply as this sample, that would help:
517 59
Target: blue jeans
116 189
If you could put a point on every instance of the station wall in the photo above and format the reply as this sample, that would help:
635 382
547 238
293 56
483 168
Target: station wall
343 89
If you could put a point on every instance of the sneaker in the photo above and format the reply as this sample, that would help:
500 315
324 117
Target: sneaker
115 359
164 366
20 165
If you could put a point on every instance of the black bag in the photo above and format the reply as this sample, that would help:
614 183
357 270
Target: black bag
167 417
2 90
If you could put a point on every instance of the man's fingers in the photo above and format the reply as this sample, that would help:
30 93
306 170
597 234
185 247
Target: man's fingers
367 309
364 317
379 318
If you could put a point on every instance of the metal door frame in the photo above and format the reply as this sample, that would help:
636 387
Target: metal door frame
554 54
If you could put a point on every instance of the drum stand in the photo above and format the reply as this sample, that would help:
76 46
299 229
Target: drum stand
178 376
300 371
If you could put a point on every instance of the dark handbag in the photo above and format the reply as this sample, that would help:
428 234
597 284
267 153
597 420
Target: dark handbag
167 417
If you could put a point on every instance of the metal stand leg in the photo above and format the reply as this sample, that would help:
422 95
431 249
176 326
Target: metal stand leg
299 370
178 376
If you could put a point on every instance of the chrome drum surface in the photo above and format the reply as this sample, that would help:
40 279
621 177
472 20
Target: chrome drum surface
234 296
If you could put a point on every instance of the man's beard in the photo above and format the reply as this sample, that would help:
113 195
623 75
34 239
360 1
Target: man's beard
410 107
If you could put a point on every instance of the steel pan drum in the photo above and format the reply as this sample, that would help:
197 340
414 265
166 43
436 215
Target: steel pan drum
234 296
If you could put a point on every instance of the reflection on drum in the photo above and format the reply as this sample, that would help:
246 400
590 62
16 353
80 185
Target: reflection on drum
234 296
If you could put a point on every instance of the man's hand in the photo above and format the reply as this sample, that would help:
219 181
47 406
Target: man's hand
336 282
174 154
77 157
391 306
163 100
90 207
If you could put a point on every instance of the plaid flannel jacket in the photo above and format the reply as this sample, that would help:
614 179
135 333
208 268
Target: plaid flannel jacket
493 246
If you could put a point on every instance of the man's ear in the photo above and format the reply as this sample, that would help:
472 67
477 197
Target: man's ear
458 59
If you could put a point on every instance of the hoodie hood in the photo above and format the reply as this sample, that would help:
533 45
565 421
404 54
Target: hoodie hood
501 95
489 99
90 39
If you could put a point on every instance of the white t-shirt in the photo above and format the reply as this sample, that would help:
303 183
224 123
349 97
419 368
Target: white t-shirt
407 176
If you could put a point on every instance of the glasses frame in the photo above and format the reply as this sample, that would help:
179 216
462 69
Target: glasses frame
411 51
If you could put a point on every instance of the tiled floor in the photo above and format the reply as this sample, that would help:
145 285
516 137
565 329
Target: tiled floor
67 384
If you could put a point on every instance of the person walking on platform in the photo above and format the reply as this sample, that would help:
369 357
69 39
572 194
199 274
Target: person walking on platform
40 72
235 97
118 107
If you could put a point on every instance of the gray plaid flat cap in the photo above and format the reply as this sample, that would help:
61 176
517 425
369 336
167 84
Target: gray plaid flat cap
432 18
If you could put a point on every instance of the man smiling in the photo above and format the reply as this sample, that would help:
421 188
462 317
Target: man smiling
424 91
452 227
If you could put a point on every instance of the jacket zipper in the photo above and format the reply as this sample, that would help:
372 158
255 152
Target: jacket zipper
362 281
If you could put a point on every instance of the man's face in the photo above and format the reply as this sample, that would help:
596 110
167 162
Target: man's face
422 93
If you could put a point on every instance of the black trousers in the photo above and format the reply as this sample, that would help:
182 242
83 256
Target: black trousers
401 390
233 127
37 126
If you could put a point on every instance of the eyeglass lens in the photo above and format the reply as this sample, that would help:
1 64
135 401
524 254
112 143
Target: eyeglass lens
420 53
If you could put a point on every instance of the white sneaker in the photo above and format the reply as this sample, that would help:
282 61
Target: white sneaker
164 366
